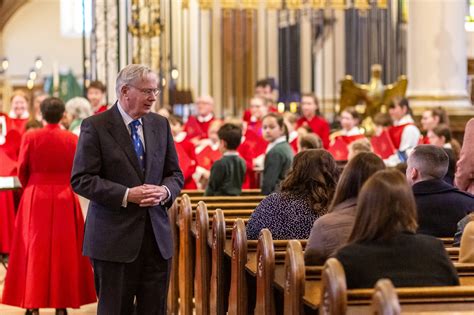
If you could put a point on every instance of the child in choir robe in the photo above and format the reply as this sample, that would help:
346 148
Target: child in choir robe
185 151
430 119
227 174
381 143
207 152
311 118
258 109
350 132
197 126
404 134
290 121
96 96
279 154
265 89
310 141
18 114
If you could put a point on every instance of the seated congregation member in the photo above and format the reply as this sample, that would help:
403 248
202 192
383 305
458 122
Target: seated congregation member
332 230
46 268
304 196
404 134
464 178
383 243
311 117
278 156
185 151
77 109
96 95
227 174
197 126
310 141
430 119
440 205
466 252
441 136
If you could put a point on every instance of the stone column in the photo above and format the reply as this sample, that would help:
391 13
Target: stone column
436 57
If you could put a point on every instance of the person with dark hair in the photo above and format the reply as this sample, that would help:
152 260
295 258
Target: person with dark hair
430 119
304 195
96 94
264 88
311 117
383 243
404 133
227 174
441 136
278 156
46 268
332 230
440 205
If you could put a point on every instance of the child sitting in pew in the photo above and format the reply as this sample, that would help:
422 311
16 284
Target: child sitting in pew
383 243
227 174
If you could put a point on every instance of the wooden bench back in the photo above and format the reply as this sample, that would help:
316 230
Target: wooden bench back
185 254
385 299
173 291
265 303
333 291
294 288
217 299
200 192
202 268
238 286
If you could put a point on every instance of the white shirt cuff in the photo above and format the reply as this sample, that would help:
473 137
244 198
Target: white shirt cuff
169 196
125 197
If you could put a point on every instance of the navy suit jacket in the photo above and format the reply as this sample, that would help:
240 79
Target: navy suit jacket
440 207
105 165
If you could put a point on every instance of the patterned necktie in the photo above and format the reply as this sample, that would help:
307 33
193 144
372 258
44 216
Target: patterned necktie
137 143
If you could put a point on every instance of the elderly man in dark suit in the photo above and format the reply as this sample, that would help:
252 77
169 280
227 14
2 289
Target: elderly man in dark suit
126 164
440 205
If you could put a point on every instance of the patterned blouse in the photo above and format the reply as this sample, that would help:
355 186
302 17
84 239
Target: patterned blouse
286 216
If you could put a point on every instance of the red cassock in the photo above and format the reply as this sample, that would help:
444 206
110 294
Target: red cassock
249 149
7 204
187 162
339 149
319 126
46 267
383 145
196 129
17 124
396 133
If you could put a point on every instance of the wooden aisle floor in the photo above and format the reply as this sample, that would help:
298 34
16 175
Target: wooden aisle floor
90 309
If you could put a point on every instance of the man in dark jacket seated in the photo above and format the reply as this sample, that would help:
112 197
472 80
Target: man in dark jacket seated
440 205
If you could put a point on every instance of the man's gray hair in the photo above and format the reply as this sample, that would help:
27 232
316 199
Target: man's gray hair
131 74
79 108
431 161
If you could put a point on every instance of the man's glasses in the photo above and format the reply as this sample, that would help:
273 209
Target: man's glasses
148 92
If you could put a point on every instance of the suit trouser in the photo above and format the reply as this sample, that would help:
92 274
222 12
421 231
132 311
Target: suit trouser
146 279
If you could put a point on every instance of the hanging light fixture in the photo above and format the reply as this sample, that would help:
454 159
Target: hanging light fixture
38 63
5 64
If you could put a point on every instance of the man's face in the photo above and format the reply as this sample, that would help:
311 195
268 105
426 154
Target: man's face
204 107
308 107
95 96
139 97
19 105
396 112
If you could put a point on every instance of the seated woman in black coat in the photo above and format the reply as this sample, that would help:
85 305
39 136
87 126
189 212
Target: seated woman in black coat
383 243
304 196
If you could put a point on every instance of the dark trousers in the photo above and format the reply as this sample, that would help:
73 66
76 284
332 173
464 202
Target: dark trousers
139 287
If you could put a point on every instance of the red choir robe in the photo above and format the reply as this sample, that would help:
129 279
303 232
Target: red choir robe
101 109
197 129
187 161
248 115
396 133
46 267
7 203
251 147
206 155
383 145
319 126
18 124
255 127
293 141
340 147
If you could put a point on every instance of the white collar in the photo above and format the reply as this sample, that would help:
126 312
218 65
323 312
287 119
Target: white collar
353 132
126 117
447 146
231 153
275 142
203 119
292 136
25 115
407 119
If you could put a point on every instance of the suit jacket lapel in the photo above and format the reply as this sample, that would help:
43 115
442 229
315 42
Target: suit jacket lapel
119 132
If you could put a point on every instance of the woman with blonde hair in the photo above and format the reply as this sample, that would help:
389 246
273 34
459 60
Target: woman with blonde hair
77 109
383 243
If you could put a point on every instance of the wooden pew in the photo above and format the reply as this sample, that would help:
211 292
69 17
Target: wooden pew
294 288
238 286
245 192
217 292
202 267
186 254
265 261
173 291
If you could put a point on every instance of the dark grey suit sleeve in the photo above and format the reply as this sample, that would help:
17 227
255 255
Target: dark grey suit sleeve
172 176
85 177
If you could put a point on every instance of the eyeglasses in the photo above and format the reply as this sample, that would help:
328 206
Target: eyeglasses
148 92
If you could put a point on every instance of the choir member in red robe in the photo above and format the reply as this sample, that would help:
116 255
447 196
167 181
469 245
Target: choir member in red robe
185 150
311 118
7 202
350 132
19 113
197 126
46 267
207 152
258 110
96 96
430 119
